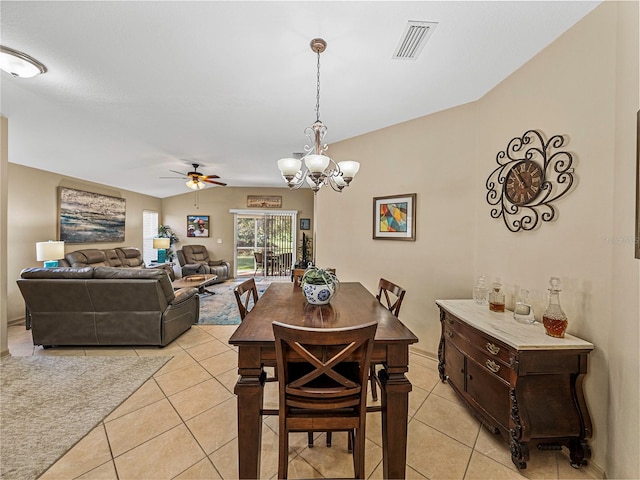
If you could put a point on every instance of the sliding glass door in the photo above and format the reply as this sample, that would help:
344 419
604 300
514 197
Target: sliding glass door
264 242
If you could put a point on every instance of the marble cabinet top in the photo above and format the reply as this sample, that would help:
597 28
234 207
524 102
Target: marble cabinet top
505 328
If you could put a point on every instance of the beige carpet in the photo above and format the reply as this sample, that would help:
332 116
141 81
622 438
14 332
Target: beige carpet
49 403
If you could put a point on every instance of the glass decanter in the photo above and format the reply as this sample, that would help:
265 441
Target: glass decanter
480 291
496 298
523 311
554 319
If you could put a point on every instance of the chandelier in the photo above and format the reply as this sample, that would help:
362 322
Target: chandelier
314 168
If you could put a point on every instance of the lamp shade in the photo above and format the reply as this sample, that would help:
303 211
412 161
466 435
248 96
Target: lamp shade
289 166
349 168
49 251
317 163
161 243
19 64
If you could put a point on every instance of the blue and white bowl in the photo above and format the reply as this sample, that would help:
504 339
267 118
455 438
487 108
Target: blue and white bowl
318 294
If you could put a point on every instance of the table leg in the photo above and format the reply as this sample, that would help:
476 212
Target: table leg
395 388
249 390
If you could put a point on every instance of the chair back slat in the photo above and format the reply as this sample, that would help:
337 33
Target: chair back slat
245 293
390 295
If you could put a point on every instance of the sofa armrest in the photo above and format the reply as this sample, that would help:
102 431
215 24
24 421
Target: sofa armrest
184 295
217 263
166 268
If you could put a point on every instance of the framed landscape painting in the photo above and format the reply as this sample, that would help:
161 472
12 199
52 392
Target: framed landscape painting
394 217
87 217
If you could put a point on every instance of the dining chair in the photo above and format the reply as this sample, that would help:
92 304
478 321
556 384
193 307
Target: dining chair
297 276
258 258
246 297
244 293
390 296
323 384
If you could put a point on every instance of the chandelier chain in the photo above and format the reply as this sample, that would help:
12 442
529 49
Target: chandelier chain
318 91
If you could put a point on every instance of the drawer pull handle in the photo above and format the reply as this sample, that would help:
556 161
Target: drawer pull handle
493 366
449 321
492 348
449 334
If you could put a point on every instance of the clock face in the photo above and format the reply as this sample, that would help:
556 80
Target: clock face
523 182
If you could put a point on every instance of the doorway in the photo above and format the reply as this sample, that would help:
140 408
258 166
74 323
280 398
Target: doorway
264 243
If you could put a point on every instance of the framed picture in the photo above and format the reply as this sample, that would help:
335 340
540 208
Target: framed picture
264 201
305 224
197 225
87 217
394 217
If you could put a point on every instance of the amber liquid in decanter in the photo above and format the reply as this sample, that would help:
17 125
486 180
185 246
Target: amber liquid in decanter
496 298
554 319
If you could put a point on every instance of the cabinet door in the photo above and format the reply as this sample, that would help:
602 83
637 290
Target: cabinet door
454 366
490 393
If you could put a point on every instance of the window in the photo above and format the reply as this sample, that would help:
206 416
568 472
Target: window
149 231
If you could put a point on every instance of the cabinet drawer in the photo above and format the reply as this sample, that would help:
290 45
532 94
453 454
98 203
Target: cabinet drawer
492 364
489 345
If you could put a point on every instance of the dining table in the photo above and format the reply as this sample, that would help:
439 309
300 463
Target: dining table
352 305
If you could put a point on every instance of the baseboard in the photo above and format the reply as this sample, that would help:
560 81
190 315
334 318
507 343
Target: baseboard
16 321
592 470
424 353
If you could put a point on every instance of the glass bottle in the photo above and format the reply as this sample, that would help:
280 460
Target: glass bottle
496 298
554 319
523 311
480 291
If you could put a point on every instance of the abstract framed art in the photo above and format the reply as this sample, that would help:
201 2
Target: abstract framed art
87 217
394 217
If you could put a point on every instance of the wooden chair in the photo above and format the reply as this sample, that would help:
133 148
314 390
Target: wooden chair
390 296
297 276
244 293
323 384
258 258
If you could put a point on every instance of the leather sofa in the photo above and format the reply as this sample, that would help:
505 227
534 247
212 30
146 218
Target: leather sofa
105 306
194 259
121 257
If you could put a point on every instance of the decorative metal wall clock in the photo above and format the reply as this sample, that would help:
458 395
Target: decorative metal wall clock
531 174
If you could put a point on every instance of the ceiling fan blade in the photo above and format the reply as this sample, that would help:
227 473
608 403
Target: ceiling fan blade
204 177
179 178
179 173
213 181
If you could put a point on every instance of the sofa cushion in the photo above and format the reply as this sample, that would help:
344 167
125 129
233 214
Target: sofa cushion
130 257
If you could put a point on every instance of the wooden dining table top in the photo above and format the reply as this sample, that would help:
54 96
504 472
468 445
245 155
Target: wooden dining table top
352 305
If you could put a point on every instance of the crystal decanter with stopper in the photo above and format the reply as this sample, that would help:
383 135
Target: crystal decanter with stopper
480 291
496 297
554 319
523 311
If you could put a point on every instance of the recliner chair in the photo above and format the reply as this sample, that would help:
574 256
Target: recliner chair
194 259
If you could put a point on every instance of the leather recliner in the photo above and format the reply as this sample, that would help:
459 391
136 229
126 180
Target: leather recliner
194 259
105 306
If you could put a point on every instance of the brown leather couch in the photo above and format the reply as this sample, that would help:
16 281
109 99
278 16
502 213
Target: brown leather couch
194 259
105 306
121 257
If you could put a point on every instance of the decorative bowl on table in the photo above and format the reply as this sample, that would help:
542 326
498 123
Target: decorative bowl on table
319 285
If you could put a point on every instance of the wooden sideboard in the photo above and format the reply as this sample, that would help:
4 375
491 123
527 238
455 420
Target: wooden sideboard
518 381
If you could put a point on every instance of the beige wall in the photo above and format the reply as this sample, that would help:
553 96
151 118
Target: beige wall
33 217
585 86
216 202
4 186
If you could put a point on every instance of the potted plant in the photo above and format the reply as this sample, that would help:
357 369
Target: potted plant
319 285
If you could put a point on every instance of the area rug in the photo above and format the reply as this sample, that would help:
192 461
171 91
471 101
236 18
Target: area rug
222 308
49 403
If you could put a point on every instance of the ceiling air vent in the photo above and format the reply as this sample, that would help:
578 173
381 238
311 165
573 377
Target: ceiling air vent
413 40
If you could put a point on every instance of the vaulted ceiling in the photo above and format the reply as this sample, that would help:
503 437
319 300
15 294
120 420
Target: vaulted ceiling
136 89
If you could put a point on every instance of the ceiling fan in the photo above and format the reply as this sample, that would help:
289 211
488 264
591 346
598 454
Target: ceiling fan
196 179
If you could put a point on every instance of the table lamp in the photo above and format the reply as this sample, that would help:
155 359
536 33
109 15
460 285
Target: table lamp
161 244
49 253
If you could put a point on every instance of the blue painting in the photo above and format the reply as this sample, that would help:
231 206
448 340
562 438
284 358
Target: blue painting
87 217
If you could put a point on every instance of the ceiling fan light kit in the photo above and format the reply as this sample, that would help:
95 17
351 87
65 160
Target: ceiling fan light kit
316 169
19 64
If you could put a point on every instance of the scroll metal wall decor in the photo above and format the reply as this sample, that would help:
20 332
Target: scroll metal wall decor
531 174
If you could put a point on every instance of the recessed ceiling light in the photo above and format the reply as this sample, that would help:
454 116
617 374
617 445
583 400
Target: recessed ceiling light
19 64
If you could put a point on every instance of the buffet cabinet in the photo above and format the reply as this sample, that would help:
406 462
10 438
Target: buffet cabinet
519 382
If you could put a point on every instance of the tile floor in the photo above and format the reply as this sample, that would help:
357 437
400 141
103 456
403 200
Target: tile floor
181 424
